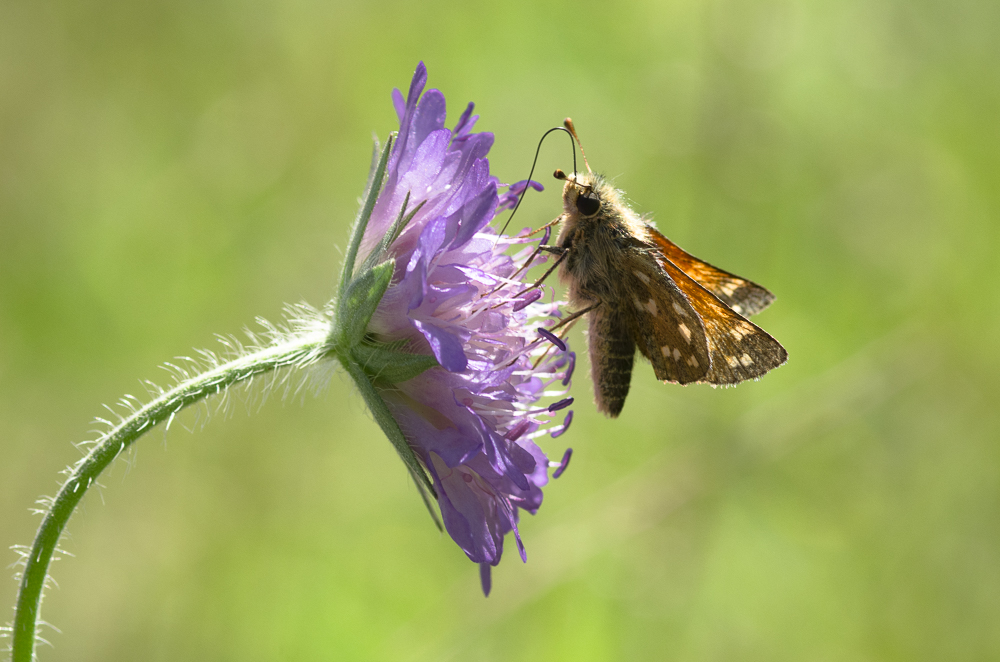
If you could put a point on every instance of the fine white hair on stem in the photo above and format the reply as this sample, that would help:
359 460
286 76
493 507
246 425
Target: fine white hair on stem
287 382
289 359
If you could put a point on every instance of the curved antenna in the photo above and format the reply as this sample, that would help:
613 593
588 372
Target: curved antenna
573 139
568 123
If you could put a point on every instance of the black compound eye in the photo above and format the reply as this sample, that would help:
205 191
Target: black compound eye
588 203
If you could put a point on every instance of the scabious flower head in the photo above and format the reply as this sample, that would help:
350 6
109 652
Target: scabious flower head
458 295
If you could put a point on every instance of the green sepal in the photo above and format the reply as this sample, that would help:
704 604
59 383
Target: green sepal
402 220
428 503
380 411
358 302
388 364
375 178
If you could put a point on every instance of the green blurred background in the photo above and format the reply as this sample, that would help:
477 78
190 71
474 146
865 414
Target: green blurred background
171 170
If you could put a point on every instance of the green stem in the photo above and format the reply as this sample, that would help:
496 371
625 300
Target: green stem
295 351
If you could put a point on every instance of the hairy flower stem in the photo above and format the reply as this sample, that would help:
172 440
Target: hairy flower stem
295 351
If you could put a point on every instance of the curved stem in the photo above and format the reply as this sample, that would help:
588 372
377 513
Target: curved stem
295 351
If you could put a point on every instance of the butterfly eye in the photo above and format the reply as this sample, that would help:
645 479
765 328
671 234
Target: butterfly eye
588 203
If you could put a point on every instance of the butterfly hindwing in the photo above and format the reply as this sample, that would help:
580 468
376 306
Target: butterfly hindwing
743 296
740 349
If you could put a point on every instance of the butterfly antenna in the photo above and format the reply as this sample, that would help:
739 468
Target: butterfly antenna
568 123
535 162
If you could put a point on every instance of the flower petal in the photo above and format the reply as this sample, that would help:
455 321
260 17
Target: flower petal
446 347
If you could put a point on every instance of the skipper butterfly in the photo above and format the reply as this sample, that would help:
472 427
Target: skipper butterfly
641 290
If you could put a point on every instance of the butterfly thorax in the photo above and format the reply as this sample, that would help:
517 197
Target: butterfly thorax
596 241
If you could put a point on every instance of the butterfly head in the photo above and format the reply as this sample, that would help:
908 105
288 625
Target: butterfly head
583 194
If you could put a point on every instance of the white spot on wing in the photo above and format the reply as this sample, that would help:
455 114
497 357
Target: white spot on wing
684 330
731 360
677 354
666 350
643 277
746 360
729 287
692 361
679 310
741 330
651 307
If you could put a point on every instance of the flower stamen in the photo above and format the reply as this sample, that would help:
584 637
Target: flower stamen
552 338
565 425
562 464
562 404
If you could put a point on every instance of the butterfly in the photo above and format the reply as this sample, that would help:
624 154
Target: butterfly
641 291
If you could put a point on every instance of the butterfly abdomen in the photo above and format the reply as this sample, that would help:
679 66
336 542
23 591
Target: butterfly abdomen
612 353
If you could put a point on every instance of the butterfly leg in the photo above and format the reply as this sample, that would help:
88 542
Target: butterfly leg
552 249
538 249
546 226
574 316
548 272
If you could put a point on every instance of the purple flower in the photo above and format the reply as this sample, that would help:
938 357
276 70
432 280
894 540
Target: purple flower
456 294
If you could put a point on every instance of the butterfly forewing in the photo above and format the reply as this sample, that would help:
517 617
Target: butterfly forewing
664 325
740 350
743 296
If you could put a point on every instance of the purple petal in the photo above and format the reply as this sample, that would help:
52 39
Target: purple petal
446 347
499 455
510 199
399 103
506 201
427 161
416 271
520 545
429 116
485 578
473 149
518 187
478 212
466 121
417 84
462 496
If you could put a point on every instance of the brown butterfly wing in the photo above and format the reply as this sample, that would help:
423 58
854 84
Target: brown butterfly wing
743 296
664 325
740 349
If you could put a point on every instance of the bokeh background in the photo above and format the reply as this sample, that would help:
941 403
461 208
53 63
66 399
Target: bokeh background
171 170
